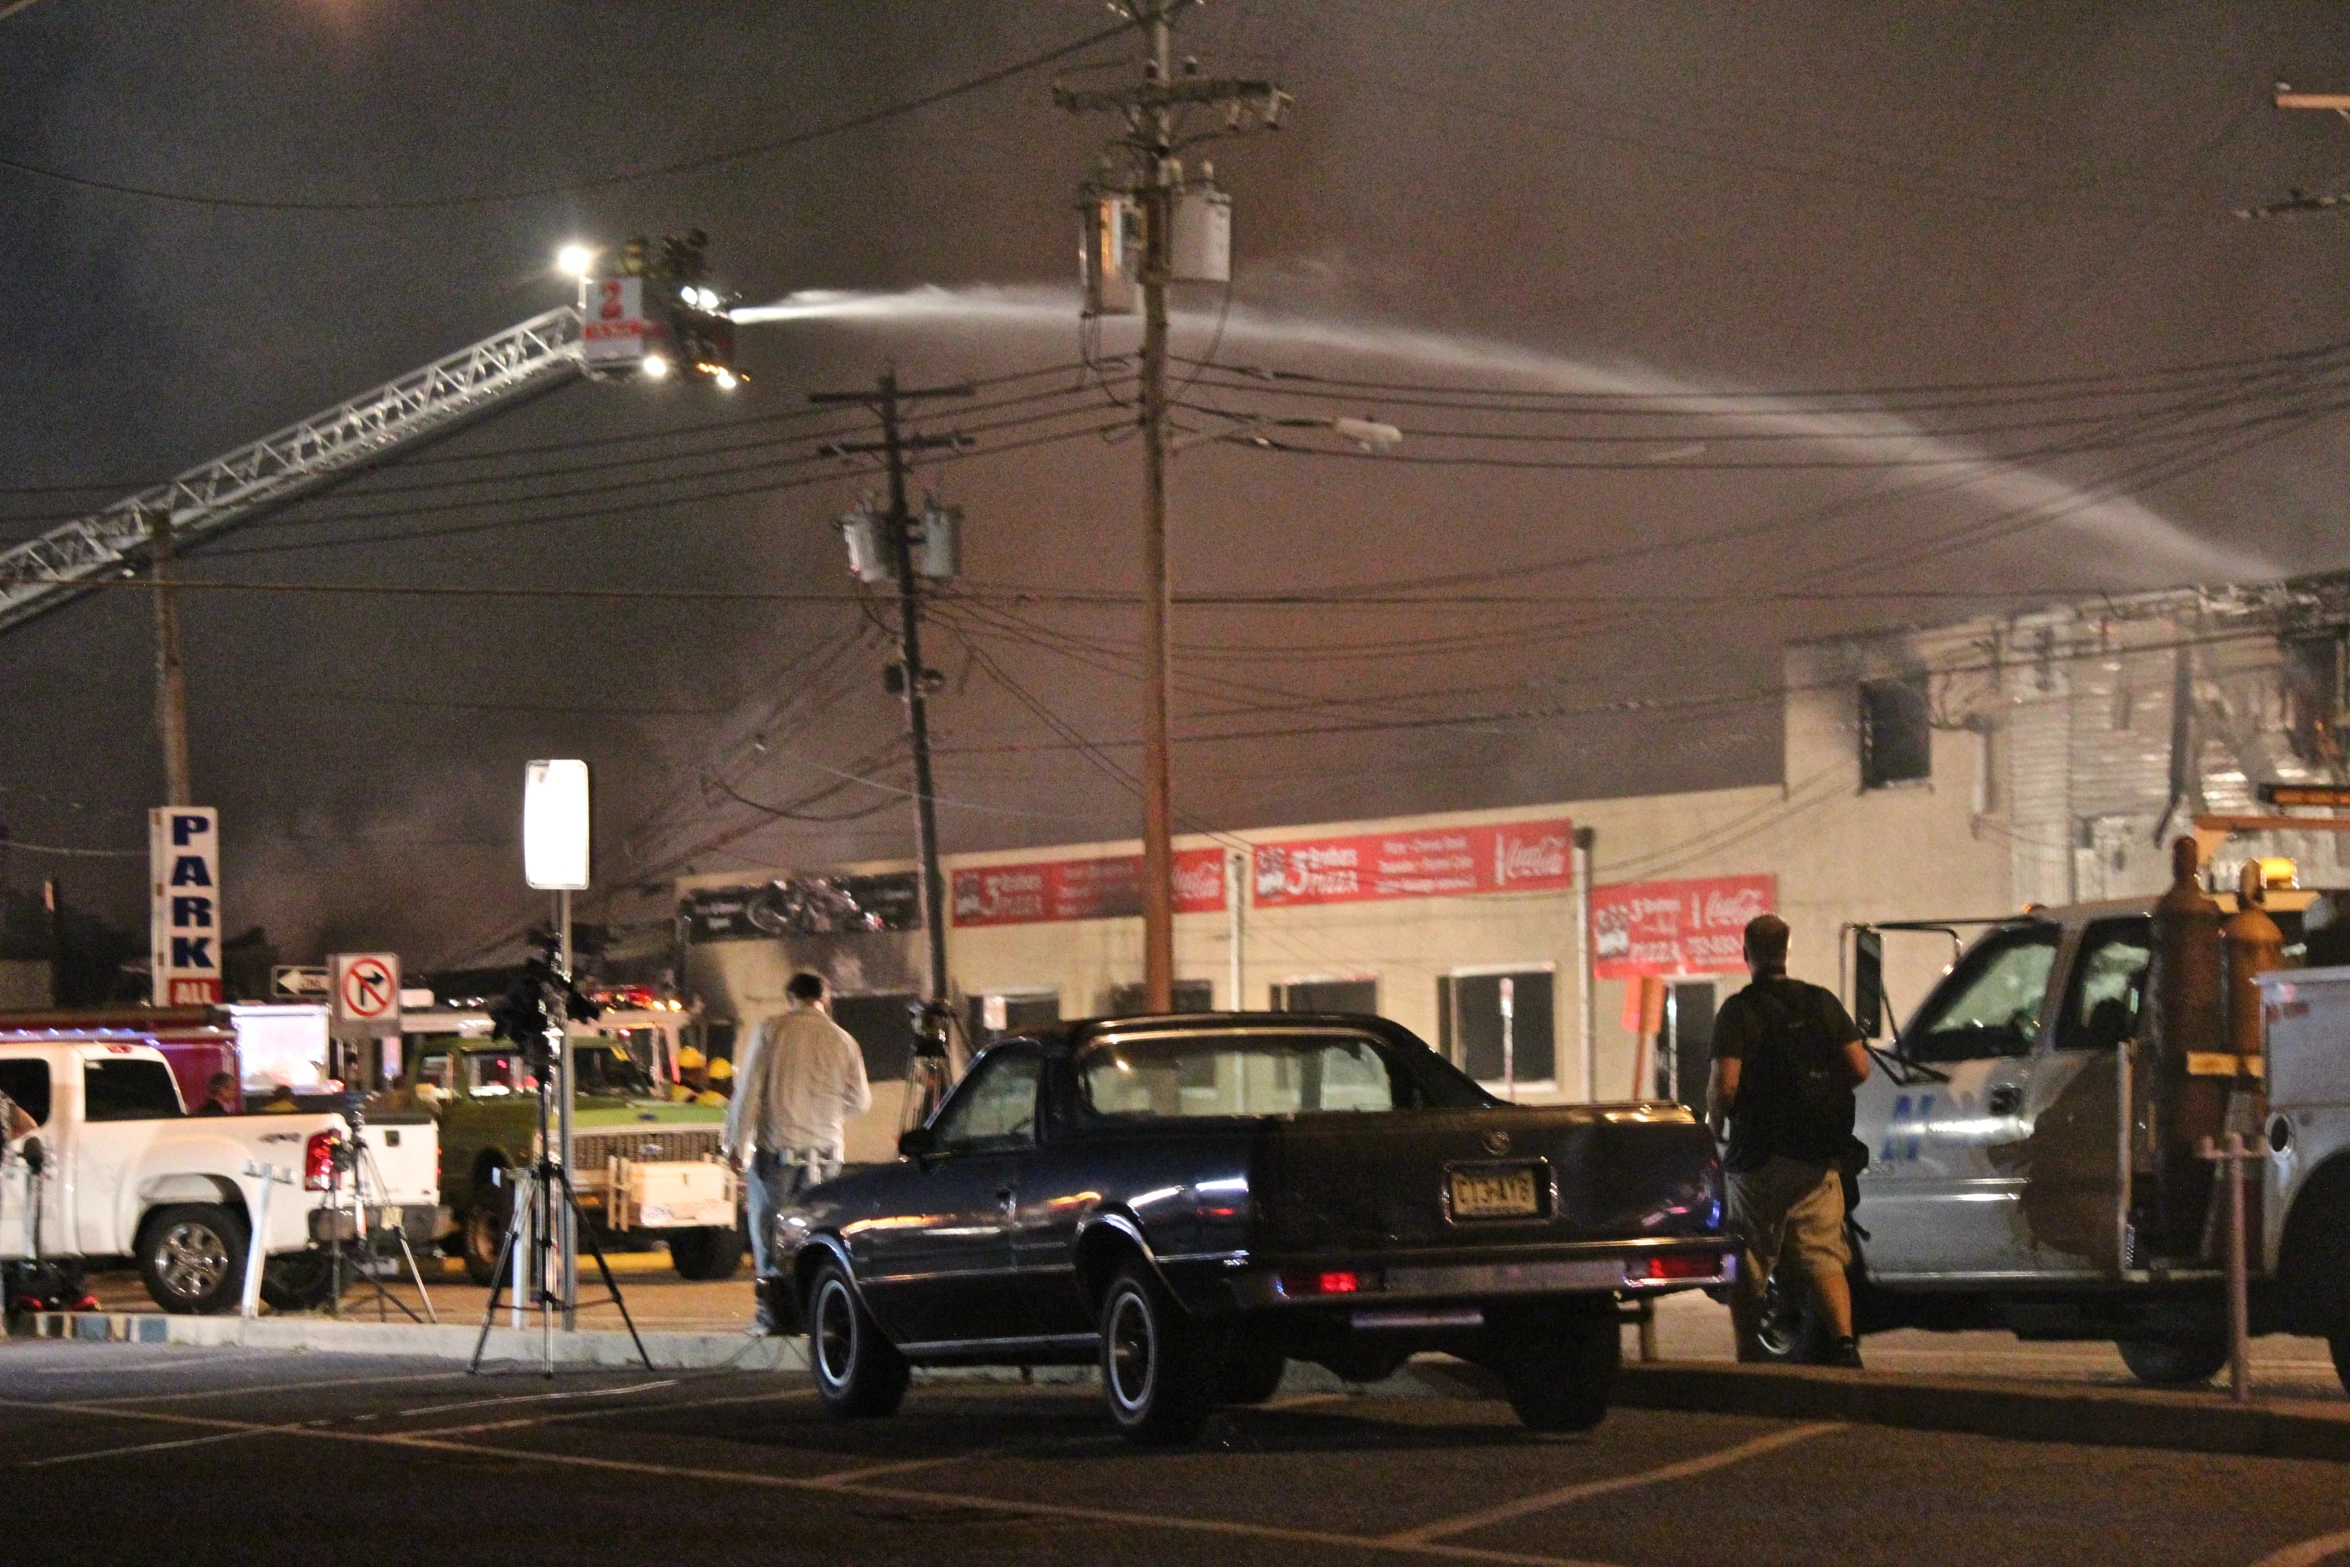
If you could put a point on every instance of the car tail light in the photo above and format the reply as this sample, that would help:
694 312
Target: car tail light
1694 1265
318 1162
1336 1282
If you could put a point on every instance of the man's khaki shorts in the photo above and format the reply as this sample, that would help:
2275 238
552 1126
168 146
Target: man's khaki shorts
1789 1205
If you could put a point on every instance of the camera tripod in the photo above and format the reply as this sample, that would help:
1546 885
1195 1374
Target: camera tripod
531 1230
357 1158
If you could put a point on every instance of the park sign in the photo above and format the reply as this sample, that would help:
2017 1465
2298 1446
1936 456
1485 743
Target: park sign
183 863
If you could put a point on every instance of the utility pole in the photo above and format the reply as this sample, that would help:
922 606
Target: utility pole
894 446
171 681
1150 112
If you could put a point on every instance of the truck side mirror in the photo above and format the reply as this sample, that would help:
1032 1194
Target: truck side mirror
1868 981
915 1141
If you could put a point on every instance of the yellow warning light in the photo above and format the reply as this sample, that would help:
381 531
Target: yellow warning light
2277 871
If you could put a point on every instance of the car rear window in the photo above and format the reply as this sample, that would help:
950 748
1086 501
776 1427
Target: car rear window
27 1082
129 1089
1276 1072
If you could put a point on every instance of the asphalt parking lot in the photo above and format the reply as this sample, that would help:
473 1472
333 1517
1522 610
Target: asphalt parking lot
127 1454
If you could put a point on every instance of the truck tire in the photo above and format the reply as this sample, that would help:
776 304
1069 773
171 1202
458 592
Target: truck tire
1560 1371
859 1373
485 1229
1154 1382
191 1257
298 1280
2174 1362
706 1253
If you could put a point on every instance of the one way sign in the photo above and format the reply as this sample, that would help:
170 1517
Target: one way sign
366 993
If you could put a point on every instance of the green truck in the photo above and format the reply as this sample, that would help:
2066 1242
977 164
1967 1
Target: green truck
643 1164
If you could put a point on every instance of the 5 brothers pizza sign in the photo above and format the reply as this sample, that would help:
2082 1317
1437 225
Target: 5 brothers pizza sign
1676 927
1422 863
1102 888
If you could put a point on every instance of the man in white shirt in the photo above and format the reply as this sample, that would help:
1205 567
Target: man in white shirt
803 1081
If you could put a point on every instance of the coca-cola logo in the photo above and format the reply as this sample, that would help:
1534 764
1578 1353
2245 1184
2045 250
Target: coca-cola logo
1529 859
1735 908
1203 883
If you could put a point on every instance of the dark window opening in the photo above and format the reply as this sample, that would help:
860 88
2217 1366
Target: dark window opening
2312 682
1500 1027
883 1027
27 1082
1021 1013
1191 995
1687 1061
129 1090
1359 996
1896 732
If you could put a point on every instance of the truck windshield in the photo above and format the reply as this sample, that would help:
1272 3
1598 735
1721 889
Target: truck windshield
1990 1004
1235 1074
608 1070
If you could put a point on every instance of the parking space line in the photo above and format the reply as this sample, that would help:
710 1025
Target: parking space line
155 1447
145 1366
274 1387
535 1398
1102 1515
2309 1552
620 1409
1543 1501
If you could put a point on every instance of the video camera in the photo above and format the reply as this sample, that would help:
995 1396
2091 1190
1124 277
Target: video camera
521 1013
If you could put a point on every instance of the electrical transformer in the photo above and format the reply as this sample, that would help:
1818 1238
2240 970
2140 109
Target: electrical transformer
1200 241
1110 252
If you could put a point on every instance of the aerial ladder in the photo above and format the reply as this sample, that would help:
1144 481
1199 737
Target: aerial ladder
653 315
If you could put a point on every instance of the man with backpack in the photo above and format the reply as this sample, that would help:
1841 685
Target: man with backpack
1786 1060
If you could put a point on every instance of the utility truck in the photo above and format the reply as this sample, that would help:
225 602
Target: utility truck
2036 1132
642 1162
115 1167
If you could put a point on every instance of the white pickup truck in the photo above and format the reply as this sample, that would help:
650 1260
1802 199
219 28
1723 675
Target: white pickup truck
116 1167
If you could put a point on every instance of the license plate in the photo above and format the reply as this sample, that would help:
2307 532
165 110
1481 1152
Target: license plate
1496 1192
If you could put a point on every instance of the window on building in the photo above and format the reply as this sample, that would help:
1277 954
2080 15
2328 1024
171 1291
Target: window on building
883 1027
1191 995
2312 683
1360 996
1000 1014
1896 732
1499 1028
129 1090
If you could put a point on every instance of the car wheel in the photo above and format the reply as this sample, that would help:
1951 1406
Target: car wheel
1794 1331
1560 1371
192 1257
706 1253
298 1280
859 1374
1249 1374
485 1228
2174 1362
1157 1390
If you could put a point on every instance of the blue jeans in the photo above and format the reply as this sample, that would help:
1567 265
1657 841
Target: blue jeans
775 1179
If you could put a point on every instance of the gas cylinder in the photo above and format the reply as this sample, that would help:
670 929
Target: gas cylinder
2189 1030
2254 946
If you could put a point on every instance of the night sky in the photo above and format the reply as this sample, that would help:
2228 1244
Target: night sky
2012 231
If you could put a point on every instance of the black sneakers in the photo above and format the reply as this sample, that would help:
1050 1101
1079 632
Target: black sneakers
1846 1354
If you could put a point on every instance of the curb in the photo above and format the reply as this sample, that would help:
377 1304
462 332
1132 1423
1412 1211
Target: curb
670 1351
2183 1421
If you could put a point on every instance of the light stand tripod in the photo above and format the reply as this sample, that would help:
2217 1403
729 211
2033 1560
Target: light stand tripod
535 1209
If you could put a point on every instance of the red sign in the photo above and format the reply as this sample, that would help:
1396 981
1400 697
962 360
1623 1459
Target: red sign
1424 863
1097 889
1676 927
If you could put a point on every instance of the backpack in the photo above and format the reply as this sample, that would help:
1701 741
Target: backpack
1796 1081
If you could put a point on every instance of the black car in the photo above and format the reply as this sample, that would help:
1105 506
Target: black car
1193 1200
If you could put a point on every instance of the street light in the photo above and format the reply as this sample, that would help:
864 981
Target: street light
575 260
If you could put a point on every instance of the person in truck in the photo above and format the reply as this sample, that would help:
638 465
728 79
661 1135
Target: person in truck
785 1126
1786 1058
222 1096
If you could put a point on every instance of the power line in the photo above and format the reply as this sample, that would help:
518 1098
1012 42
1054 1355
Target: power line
610 181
